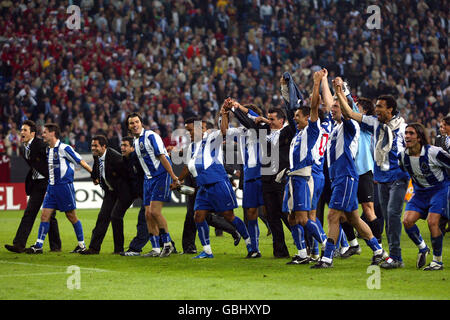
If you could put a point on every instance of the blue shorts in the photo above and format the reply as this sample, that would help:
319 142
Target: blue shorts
435 201
217 197
319 184
344 194
302 194
157 189
252 197
60 197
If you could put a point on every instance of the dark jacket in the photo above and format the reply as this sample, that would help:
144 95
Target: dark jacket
37 160
440 142
135 175
116 174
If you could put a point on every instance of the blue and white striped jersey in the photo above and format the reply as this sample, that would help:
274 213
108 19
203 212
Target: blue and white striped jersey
342 148
206 161
302 151
325 130
428 170
390 170
250 151
148 147
61 163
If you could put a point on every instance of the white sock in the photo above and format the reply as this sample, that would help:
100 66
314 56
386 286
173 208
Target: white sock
158 250
344 250
353 243
325 259
422 245
207 249
379 251
81 244
437 259
302 253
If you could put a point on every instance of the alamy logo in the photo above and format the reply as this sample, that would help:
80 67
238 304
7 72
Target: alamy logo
374 280
374 21
73 22
74 280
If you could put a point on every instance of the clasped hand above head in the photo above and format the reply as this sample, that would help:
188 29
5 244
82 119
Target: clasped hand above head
337 84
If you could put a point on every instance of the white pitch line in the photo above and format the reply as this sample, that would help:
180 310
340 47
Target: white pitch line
53 266
31 274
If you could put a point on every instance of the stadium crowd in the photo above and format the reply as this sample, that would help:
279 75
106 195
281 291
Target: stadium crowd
171 60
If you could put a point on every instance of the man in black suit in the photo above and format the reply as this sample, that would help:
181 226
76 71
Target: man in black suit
36 182
110 172
279 136
136 174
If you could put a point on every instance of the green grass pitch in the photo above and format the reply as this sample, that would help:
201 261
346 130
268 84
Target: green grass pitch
227 276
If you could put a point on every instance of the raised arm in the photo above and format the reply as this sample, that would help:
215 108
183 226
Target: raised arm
326 93
241 114
224 120
315 100
345 108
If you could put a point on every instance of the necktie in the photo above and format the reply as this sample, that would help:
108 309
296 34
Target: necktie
35 173
103 174
101 164
27 152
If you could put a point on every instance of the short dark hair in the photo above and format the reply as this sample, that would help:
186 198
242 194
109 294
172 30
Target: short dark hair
31 124
254 108
209 125
101 140
447 120
129 139
420 131
53 127
280 113
367 106
132 115
390 102
306 111
192 120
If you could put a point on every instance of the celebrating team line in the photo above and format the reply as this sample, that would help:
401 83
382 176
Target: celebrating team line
364 154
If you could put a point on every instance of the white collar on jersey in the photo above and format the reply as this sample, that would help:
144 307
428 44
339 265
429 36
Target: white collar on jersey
204 136
58 142
422 151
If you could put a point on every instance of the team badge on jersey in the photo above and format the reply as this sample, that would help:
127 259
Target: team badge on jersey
424 167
